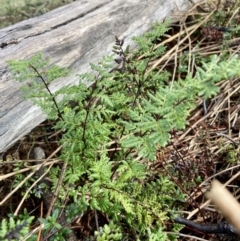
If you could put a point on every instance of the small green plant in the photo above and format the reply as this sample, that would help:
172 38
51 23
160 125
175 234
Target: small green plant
111 134
14 230
230 154
109 232
53 228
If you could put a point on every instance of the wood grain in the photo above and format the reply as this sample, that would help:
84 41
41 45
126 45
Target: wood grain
71 36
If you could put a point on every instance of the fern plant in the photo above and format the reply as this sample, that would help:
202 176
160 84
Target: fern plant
109 232
112 130
14 230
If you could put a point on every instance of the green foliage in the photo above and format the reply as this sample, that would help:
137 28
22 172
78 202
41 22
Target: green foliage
37 74
230 154
14 230
52 226
157 236
111 132
109 232
213 72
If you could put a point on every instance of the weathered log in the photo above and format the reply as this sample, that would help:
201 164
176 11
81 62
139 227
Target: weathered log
71 36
